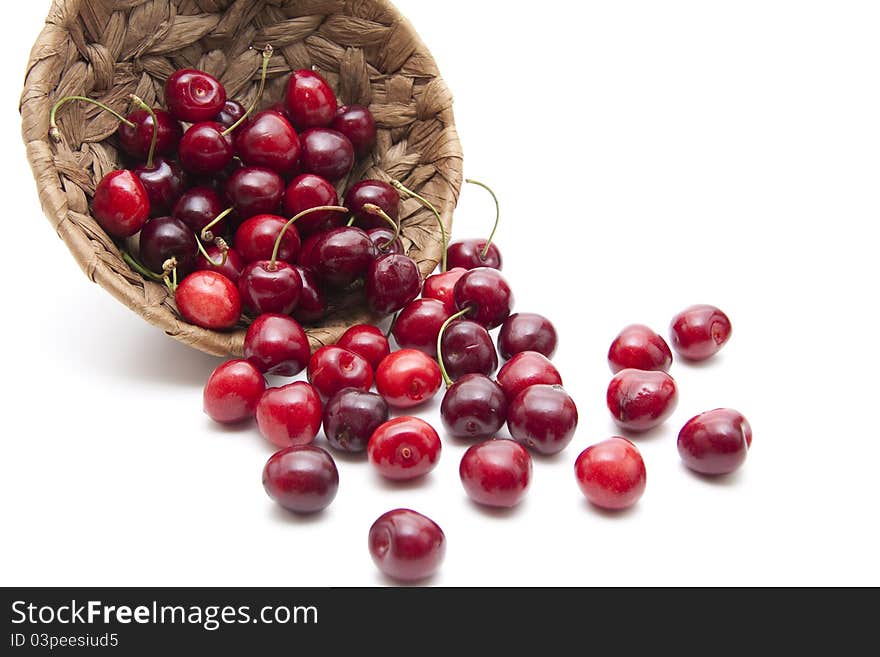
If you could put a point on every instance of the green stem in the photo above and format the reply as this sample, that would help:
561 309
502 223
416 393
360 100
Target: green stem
206 235
399 186
350 222
55 134
140 103
224 253
443 373
267 54
497 215
379 212
139 268
320 208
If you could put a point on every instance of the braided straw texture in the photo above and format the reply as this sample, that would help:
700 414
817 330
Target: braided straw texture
108 49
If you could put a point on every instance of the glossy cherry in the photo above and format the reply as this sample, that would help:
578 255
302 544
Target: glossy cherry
406 546
526 369
310 191
289 415
204 149
715 442
199 206
527 332
231 268
366 340
268 140
441 286
350 418
232 391
193 95
208 299
467 254
404 448
467 348
341 256
302 479
357 123
611 474
543 418
385 241
393 280
333 368
255 238
120 204
166 237
269 287
254 190
312 304
277 344
640 348
418 325
309 99
326 153
408 378
641 400
372 192
473 407
135 139
488 296
231 114
699 332
496 472
164 181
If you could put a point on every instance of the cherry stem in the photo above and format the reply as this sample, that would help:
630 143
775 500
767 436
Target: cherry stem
399 186
55 133
155 138
458 315
497 215
375 210
267 54
320 208
140 269
350 222
170 266
223 248
206 235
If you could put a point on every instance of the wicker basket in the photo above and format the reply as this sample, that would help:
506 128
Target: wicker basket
108 49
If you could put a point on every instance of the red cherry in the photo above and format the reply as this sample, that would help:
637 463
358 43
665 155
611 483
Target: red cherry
268 140
543 418
120 204
193 95
404 448
441 286
418 325
373 192
289 415
277 344
468 254
340 256
407 546
254 190
350 418
268 287
611 474
488 296
204 149
232 391
166 237
640 400
164 182
496 472
527 332
473 407
526 369
638 347
231 114
333 368
356 122
231 268
393 281
302 479
256 236
198 207
136 139
367 341
209 300
310 100
326 153
408 378
385 241
699 332
715 442
467 348
312 305
310 191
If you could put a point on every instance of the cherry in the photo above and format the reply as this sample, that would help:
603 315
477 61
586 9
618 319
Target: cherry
302 478
638 347
496 472
715 442
232 391
407 378
473 407
527 332
393 281
468 254
254 190
309 191
467 348
268 286
356 122
268 140
208 299
327 153
231 114
289 415
372 192
333 368
367 341
230 268
312 305
164 181
440 286
611 474
198 207
699 332
406 546
307 257
310 100
193 95
120 204
543 418
404 448
341 256
166 237
277 344
486 294
350 418
418 325
526 369
205 148
136 133
281 108
385 241
255 238
640 400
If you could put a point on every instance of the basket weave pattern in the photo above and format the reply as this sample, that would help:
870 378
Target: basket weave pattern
109 49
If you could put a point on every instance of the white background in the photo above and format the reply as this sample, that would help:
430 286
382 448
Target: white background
648 156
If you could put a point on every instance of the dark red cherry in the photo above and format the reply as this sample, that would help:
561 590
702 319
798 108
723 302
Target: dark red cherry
715 442
289 415
640 400
393 281
526 369
467 348
468 254
366 340
209 300
164 182
333 368
407 378
306 258
204 149
312 305
375 192
350 418
268 140
418 325
542 418
486 294
120 204
230 115
310 101
256 236
441 286
385 241
527 332
135 140
232 392
193 96
166 237
254 190
277 344
310 191
302 479
496 472
198 207
407 546
326 153
473 407
638 347
268 287
231 268
281 108
356 122
341 256
699 332
611 474
404 448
